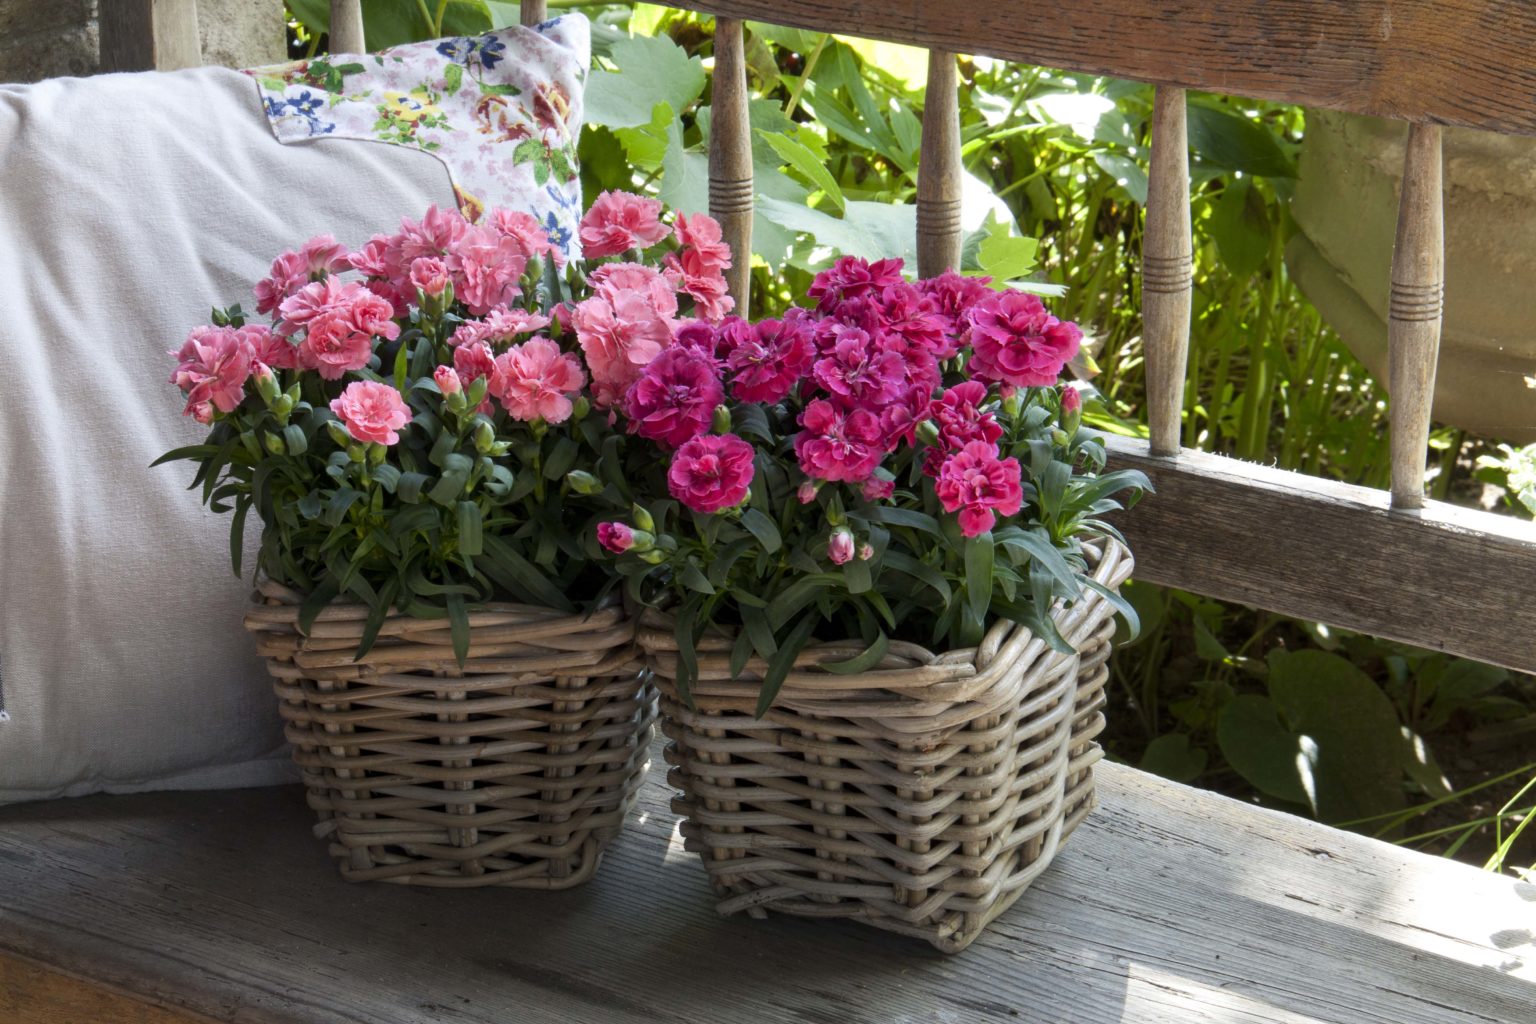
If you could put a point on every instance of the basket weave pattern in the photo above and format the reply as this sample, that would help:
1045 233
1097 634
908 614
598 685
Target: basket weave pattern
921 797
516 770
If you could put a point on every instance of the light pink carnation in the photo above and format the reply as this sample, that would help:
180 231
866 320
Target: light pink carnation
619 340
340 321
372 411
535 380
524 228
486 268
433 235
840 546
323 255
212 367
429 275
500 326
613 279
702 253
619 221
711 472
287 275
447 380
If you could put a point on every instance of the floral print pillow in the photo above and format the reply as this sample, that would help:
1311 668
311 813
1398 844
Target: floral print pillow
501 110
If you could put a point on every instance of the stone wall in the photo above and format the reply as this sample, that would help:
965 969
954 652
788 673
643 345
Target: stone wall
46 38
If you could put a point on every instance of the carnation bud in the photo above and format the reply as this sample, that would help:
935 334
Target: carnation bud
266 383
722 421
807 492
580 408
866 551
583 482
485 437
274 443
1071 409
653 556
642 518
615 537
475 394
928 432
1059 438
447 379
1013 403
357 453
283 408
376 453
643 541
294 393
338 433
840 546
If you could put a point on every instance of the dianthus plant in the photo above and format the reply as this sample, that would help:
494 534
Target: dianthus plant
900 462
416 422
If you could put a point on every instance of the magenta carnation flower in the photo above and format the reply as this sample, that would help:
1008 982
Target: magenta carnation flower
851 278
768 360
838 444
616 537
953 296
372 411
1015 341
840 546
711 472
977 484
674 399
861 370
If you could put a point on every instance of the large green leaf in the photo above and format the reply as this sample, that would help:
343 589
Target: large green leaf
1171 756
869 230
1360 748
1260 748
684 184
798 156
1240 225
648 70
1227 140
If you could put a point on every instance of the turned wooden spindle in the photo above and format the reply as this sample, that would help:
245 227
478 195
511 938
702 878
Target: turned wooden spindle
1167 276
938 177
149 35
534 12
730 157
347 27
1414 312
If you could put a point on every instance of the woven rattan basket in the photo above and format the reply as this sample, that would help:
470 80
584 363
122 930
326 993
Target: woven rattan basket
516 770
921 797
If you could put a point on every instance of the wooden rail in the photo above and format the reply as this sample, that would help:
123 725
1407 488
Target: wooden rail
1445 578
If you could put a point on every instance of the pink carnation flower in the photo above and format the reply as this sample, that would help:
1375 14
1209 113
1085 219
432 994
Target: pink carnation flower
429 275
613 279
323 255
619 221
840 546
372 411
212 367
711 472
486 268
340 321
977 484
535 380
619 339
286 276
436 233
1014 341
769 359
500 326
953 296
674 400
473 361
447 380
524 228
268 347
616 537
708 292
838 444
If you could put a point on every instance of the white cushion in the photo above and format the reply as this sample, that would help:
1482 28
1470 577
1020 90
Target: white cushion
129 206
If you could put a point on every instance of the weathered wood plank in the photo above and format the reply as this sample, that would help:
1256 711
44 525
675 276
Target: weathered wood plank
1168 906
33 994
1444 577
1414 312
346 27
1450 61
149 35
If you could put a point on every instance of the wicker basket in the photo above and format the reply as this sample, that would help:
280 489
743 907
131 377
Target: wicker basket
921 797
516 770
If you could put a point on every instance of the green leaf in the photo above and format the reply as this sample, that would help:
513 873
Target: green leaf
314 602
469 529
1001 255
1351 723
1127 173
863 661
687 654
979 553
866 229
684 184
904 563
695 580
1172 757
376 616
857 577
1240 226
1259 748
408 487
783 660
1229 141
893 516
453 77
1036 543
237 533
755 626
458 627
646 145
648 70
798 156
763 528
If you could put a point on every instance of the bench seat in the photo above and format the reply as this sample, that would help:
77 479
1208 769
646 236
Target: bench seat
1168 906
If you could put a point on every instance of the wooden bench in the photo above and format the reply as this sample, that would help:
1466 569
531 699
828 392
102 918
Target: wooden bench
1168 905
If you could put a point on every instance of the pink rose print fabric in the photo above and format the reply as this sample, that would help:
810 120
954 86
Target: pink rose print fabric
501 110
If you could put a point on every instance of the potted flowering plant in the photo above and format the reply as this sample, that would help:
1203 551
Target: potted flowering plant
415 431
880 590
